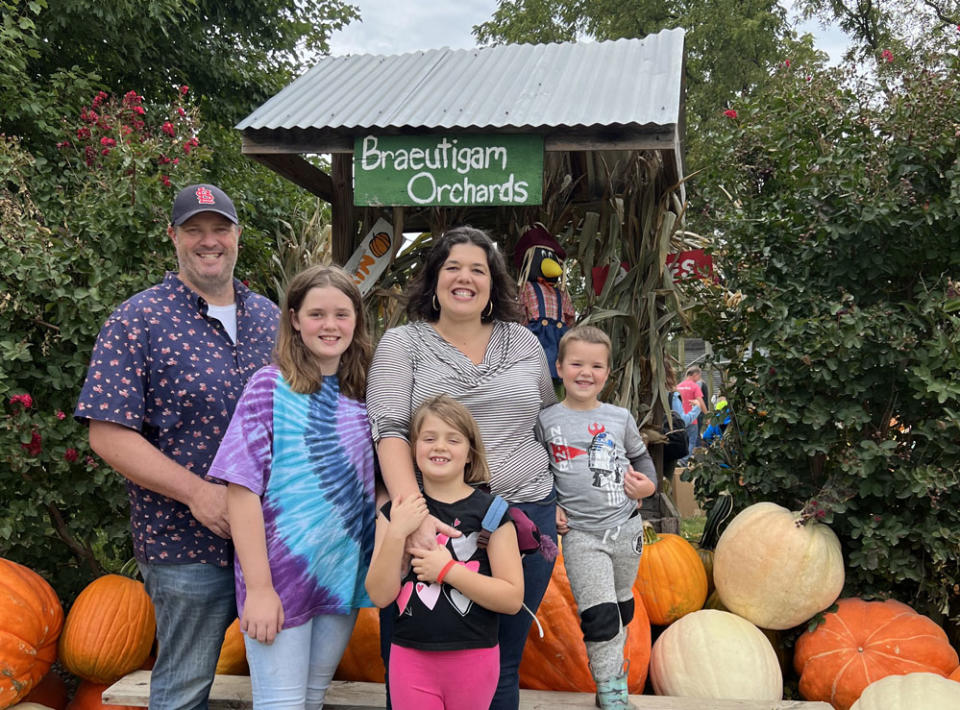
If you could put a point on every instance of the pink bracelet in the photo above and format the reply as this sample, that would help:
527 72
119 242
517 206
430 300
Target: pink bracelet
446 568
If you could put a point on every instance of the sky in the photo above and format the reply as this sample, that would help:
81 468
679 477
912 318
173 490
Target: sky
398 26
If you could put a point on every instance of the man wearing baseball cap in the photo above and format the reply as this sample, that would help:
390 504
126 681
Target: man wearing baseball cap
166 372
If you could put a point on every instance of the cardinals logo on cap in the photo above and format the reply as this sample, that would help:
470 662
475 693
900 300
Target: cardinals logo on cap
204 196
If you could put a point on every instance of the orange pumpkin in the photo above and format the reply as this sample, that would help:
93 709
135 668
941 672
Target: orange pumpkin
89 697
32 619
558 661
362 661
51 691
671 579
864 641
233 652
109 630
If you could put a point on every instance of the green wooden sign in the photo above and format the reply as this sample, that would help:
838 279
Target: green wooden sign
450 171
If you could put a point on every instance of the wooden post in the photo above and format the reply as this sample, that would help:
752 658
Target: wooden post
344 232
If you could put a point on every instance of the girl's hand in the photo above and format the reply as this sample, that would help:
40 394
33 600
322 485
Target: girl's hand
562 527
262 615
406 514
636 485
427 564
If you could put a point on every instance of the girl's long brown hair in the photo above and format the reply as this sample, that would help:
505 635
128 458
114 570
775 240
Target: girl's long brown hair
454 414
298 365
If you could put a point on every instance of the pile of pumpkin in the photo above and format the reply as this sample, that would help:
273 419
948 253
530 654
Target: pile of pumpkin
719 612
109 632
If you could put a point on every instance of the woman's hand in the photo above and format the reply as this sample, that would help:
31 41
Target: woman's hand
407 514
262 614
562 527
427 564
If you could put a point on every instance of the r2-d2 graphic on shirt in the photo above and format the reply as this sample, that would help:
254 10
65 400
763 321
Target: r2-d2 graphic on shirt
602 457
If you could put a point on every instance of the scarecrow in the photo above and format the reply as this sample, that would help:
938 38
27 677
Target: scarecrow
538 257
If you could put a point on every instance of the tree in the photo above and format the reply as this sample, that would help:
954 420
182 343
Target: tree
839 316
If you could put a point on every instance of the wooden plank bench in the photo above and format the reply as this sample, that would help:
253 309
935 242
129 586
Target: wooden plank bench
232 692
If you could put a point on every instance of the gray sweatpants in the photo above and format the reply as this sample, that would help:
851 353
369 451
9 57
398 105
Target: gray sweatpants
602 567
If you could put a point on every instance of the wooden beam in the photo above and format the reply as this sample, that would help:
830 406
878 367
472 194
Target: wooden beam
298 171
312 141
344 225
232 692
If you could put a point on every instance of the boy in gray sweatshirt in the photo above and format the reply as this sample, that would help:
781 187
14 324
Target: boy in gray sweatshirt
601 469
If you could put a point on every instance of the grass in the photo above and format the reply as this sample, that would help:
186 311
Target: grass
692 528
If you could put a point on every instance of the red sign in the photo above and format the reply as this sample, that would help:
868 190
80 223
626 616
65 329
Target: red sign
690 264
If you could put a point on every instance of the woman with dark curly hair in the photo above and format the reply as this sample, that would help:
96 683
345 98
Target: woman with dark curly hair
465 340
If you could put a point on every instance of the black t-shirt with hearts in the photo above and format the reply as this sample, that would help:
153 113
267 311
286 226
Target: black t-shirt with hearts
437 617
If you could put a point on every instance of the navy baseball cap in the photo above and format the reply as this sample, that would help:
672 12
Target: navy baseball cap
201 198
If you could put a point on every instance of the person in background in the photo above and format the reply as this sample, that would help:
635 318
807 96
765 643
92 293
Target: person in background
465 339
299 465
601 468
691 395
444 647
166 373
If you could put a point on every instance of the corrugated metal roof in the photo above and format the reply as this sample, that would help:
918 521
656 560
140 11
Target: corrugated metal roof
626 82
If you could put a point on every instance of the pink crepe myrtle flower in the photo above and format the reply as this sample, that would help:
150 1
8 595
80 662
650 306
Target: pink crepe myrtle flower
25 399
107 141
71 455
887 55
730 113
168 128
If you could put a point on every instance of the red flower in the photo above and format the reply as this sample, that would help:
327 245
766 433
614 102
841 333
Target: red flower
730 113
887 55
786 63
138 110
92 117
169 129
63 144
71 454
176 161
165 180
187 147
60 415
90 461
131 98
83 133
163 160
180 111
99 98
25 399
109 142
35 447
105 151
184 89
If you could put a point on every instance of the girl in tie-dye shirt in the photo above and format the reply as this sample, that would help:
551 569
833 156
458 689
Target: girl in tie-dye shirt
298 458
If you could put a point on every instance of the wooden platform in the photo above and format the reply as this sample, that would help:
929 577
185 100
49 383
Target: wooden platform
233 692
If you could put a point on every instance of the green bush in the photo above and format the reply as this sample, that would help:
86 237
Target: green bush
840 317
77 236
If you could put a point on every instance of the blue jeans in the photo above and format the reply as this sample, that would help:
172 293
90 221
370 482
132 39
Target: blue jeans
513 628
194 604
296 669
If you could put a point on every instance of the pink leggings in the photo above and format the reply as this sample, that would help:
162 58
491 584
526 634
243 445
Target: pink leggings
438 680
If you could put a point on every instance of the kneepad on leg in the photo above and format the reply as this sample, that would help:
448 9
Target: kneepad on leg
626 611
600 622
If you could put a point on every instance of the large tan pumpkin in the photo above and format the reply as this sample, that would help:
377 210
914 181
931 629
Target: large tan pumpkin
109 630
775 569
914 691
718 655
862 642
30 621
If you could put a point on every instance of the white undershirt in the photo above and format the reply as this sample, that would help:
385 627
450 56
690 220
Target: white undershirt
227 315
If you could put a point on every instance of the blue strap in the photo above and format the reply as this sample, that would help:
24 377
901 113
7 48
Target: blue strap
538 290
494 514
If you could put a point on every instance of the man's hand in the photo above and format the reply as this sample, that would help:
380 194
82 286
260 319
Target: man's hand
208 503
